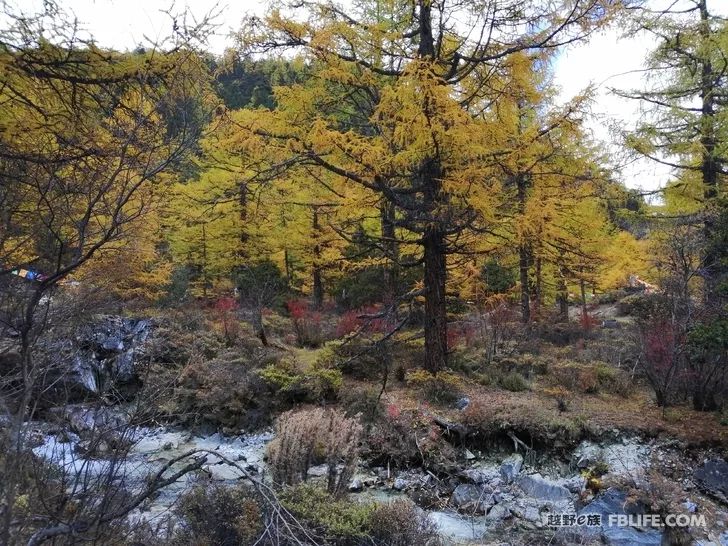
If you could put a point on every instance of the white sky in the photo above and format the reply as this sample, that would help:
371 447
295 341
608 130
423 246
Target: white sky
603 61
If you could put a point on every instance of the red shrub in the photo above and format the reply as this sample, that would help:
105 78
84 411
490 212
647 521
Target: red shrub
363 321
306 323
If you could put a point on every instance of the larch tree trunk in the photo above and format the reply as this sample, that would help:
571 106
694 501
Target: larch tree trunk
318 285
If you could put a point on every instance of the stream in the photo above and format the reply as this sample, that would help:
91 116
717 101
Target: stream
490 489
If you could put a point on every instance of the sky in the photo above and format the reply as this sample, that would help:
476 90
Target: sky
606 60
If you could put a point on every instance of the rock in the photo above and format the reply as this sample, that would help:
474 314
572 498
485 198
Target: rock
712 478
575 484
481 473
400 484
499 512
611 324
536 486
587 454
476 498
510 467
631 536
625 457
529 514
614 501
468 455
356 485
318 471
462 403
690 506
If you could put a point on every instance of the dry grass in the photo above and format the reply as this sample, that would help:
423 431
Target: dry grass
306 437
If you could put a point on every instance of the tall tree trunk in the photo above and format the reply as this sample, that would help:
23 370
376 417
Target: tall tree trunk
435 300
582 286
433 239
205 279
289 268
538 294
391 251
709 164
563 299
523 264
318 285
524 253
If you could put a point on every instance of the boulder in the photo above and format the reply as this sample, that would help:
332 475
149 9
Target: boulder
510 467
475 498
712 478
499 512
575 484
539 487
356 485
613 501
462 403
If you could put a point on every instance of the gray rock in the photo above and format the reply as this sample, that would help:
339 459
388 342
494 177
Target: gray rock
587 454
499 512
318 471
541 488
470 497
462 403
468 455
575 484
529 514
614 501
356 485
631 536
510 467
712 478
400 484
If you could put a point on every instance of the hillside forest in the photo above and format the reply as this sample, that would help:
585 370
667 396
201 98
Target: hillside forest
366 278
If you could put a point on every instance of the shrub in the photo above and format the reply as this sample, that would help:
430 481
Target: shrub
222 391
513 382
354 356
591 379
443 388
220 515
661 360
310 436
560 334
561 395
527 365
306 323
357 320
401 523
337 518
363 402
317 384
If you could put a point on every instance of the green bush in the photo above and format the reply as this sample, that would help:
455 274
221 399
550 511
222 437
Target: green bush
364 402
316 384
443 388
513 382
398 523
337 518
